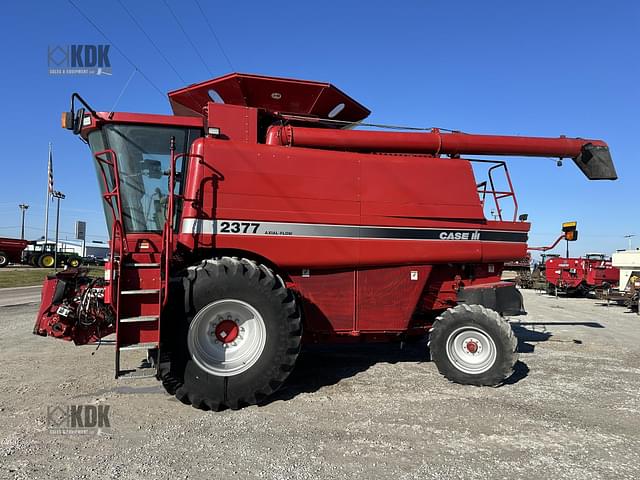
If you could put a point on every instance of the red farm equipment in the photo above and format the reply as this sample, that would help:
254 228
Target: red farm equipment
575 276
580 276
11 250
256 219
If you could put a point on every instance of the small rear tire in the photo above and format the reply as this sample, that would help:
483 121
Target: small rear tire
473 345
239 339
4 260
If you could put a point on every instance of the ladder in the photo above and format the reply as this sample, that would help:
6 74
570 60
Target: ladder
138 293
137 277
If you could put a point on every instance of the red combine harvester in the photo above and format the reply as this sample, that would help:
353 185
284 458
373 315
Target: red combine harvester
255 219
579 276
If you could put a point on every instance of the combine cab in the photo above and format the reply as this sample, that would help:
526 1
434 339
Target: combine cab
257 219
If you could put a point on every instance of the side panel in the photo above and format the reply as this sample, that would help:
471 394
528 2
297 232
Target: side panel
328 300
413 190
360 301
301 188
387 297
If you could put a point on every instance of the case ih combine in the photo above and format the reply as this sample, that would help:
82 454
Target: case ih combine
251 221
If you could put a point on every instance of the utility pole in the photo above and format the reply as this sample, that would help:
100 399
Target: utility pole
23 207
59 196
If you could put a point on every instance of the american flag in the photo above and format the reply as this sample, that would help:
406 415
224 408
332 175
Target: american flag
50 170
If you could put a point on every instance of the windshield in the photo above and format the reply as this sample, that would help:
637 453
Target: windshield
143 154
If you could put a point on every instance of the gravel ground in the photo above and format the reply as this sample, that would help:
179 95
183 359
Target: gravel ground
572 410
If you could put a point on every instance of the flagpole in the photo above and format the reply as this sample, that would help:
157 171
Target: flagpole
46 207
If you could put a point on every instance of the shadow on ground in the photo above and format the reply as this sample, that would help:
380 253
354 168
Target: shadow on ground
322 366
528 335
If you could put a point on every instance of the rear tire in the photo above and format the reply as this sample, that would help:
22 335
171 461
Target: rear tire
204 367
46 260
4 260
473 345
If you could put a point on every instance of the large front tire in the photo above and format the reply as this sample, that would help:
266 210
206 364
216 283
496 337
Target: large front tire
240 337
473 345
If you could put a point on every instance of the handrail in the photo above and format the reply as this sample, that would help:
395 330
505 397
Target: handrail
117 228
115 191
496 194
168 229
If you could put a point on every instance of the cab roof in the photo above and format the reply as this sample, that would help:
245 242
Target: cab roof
274 94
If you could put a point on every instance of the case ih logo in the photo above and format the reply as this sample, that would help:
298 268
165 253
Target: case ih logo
77 419
79 60
460 235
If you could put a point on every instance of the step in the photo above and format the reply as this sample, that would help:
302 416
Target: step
142 265
139 346
148 372
103 343
143 318
143 291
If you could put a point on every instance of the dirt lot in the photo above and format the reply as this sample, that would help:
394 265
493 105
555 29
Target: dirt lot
571 411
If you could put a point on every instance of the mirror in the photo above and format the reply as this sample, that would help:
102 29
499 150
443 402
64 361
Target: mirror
77 124
151 168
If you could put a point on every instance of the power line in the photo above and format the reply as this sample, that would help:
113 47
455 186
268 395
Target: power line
213 33
117 48
164 57
155 45
187 37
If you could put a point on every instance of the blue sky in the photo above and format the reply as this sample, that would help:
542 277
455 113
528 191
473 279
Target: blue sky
532 68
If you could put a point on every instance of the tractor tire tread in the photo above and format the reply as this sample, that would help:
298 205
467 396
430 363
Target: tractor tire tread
506 342
258 277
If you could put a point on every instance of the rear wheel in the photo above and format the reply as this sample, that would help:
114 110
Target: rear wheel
239 339
74 262
473 345
46 260
4 260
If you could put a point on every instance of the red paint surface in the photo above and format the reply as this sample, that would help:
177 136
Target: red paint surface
267 164
569 273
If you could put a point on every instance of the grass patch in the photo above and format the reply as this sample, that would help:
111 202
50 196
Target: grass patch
26 276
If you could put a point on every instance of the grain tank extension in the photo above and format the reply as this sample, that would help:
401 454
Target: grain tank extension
259 217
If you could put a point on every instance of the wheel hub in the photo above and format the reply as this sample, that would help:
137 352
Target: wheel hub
472 346
471 350
226 337
227 331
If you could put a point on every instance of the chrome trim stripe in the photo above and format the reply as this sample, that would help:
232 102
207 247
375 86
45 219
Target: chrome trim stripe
196 226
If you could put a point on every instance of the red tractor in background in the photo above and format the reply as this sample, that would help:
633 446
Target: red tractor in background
256 219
